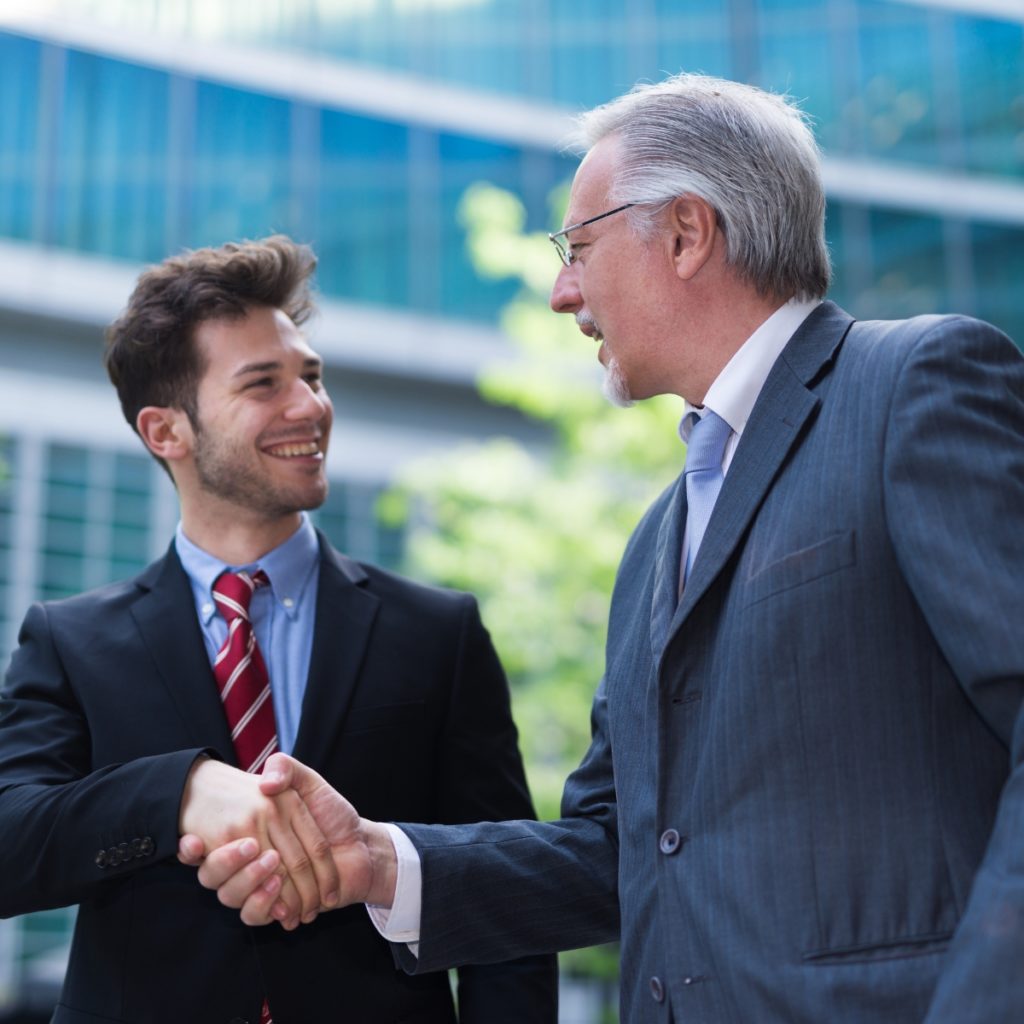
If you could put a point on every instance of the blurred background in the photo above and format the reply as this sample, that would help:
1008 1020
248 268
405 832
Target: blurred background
417 145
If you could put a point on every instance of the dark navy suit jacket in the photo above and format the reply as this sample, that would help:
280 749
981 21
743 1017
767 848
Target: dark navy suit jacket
109 699
804 801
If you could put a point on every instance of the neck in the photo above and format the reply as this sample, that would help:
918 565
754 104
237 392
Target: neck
724 330
238 541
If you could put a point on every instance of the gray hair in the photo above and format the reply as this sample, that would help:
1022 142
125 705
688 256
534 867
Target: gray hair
750 154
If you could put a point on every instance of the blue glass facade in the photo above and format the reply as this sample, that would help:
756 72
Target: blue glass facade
882 76
106 157
103 156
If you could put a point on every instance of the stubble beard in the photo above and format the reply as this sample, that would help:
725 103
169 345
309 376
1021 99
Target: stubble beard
222 472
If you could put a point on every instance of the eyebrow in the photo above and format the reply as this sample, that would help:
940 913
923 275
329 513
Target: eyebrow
309 363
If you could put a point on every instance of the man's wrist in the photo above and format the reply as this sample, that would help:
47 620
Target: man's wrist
383 863
187 791
401 923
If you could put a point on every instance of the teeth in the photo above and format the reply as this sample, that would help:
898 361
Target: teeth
292 450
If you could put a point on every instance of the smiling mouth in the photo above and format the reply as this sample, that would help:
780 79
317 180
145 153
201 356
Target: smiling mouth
294 449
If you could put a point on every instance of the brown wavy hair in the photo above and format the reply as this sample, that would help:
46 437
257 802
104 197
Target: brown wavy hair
151 356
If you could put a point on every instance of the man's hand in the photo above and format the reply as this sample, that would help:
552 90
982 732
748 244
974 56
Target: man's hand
221 804
362 853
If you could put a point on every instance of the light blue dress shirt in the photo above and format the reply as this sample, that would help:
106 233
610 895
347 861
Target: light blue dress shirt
282 614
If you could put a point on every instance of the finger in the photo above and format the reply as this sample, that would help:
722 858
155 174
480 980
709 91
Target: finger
254 888
287 909
295 858
191 850
318 850
261 905
226 861
285 771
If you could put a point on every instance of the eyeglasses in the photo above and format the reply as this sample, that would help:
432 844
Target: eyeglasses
565 253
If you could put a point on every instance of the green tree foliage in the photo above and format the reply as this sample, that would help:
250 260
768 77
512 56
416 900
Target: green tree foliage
537 535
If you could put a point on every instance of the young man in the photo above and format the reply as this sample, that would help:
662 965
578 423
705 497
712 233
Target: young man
126 710
804 800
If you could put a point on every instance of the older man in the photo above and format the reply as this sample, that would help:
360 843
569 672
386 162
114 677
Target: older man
804 799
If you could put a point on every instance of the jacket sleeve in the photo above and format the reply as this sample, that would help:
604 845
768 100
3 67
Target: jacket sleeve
505 889
955 494
70 826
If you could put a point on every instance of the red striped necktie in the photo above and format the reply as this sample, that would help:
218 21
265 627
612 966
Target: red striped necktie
241 673
243 682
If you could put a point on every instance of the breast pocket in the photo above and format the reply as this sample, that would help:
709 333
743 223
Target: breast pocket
407 716
829 555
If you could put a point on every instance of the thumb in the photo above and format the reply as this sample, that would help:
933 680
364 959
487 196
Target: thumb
282 772
191 850
277 774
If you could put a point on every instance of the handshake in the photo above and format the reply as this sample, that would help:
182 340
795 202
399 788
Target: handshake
282 846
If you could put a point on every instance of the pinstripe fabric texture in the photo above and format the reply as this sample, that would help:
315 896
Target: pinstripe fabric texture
804 798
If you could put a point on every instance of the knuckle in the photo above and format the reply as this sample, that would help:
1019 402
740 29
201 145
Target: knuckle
321 850
300 865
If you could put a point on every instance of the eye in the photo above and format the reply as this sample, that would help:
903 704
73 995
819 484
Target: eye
314 380
260 382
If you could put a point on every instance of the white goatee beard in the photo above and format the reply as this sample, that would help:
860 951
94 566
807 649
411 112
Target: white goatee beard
614 386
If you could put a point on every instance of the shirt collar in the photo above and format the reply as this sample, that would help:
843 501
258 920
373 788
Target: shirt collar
288 566
734 391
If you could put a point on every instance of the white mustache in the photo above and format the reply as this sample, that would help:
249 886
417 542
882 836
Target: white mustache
584 319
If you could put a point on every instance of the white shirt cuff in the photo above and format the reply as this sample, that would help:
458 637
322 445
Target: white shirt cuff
401 923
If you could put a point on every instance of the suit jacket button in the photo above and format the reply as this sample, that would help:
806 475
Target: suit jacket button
113 856
657 989
670 841
136 847
101 859
147 846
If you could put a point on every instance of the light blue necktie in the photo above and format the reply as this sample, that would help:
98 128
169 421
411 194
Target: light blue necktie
703 477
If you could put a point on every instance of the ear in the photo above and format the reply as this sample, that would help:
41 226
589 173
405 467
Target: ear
166 432
693 231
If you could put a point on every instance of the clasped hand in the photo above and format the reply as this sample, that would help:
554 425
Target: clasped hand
282 845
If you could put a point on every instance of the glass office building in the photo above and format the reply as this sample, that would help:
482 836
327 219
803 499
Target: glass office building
133 128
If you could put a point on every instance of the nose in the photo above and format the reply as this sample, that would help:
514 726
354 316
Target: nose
307 402
565 293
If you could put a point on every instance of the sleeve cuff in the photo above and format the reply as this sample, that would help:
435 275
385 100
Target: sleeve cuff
401 923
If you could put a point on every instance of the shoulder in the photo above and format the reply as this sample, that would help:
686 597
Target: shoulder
899 339
96 605
885 361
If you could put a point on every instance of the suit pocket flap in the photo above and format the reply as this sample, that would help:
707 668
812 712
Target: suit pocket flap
798 567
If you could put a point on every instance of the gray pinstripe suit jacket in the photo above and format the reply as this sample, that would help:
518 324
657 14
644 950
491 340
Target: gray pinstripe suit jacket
804 801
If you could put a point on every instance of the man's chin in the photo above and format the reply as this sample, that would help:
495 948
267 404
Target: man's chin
614 386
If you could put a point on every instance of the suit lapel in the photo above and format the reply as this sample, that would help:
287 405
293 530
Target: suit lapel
783 408
345 612
666 567
166 618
